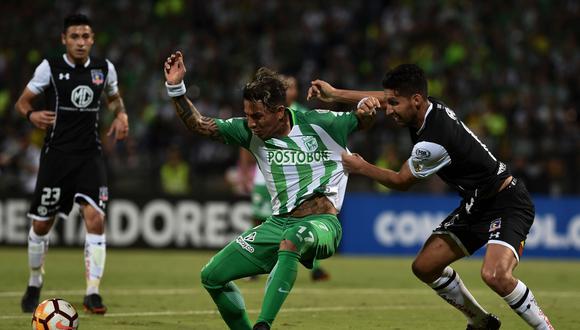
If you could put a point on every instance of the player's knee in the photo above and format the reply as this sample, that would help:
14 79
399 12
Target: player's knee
424 271
41 228
210 277
497 278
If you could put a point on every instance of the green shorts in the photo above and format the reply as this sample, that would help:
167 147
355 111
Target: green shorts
319 235
261 205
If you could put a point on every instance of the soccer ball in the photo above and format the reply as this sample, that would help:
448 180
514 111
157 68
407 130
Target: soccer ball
55 314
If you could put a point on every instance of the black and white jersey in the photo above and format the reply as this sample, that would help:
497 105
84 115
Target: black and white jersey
444 145
73 92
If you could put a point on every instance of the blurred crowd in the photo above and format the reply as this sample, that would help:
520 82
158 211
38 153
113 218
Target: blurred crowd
510 69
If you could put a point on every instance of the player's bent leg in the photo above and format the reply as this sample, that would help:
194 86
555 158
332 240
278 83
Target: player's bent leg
95 256
297 241
217 275
38 240
497 272
432 267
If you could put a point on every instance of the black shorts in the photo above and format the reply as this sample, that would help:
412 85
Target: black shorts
64 179
503 219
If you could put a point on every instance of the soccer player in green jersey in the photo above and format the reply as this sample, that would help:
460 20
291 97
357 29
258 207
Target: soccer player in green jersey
300 157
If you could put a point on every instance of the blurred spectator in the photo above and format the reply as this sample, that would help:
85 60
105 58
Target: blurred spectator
174 173
510 68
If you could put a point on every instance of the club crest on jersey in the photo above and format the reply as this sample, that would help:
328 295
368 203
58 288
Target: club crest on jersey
97 76
103 194
310 143
495 225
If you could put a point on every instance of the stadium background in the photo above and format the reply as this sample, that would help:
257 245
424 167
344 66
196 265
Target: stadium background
510 69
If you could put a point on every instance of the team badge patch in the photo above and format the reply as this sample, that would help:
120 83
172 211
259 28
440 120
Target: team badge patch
97 76
495 225
310 143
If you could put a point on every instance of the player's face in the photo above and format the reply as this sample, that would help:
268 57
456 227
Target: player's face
263 122
78 41
402 109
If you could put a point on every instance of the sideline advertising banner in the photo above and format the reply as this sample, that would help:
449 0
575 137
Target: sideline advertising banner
158 223
399 224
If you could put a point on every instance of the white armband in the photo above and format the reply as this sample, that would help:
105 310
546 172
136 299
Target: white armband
175 90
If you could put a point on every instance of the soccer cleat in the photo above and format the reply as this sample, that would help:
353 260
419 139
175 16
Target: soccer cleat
30 299
319 275
261 326
93 303
492 323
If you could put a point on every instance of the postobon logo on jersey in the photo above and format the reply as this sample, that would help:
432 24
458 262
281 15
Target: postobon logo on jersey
296 157
82 96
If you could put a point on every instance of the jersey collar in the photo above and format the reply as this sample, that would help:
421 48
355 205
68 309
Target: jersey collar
425 120
72 65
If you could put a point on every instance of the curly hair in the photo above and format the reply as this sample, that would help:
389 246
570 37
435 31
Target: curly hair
406 80
267 87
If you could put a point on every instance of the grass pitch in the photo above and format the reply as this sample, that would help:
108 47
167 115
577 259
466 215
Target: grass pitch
160 289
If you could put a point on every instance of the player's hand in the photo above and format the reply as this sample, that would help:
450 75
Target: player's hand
119 127
320 89
174 68
353 163
368 106
43 119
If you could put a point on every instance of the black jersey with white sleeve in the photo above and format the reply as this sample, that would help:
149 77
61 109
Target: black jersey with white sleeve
446 146
73 92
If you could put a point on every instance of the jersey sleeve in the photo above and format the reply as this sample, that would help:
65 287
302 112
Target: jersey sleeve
427 158
338 124
112 86
41 78
235 131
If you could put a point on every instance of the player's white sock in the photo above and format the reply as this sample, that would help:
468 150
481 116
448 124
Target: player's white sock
37 247
451 288
95 254
522 301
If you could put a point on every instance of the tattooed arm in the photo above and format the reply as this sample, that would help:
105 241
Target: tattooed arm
174 69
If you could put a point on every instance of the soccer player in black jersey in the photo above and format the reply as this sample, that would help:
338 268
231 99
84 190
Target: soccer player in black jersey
71 164
496 209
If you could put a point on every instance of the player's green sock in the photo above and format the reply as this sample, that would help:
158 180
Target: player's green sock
280 283
231 305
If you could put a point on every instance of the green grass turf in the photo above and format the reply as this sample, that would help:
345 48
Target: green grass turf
160 289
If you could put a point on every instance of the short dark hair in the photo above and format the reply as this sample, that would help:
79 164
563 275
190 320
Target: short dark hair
76 19
268 87
406 80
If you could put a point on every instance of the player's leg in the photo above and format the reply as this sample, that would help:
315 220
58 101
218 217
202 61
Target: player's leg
507 234
52 198
217 277
95 256
432 267
313 237
253 252
497 273
92 196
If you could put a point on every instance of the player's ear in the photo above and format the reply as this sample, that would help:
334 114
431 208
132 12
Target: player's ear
417 98
63 38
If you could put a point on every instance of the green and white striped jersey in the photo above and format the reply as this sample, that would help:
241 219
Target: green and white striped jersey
305 162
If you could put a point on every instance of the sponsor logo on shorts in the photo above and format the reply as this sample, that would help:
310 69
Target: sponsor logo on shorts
495 225
251 237
103 194
42 210
244 245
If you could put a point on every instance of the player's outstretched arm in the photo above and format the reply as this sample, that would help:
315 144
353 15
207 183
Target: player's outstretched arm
402 180
174 70
320 89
